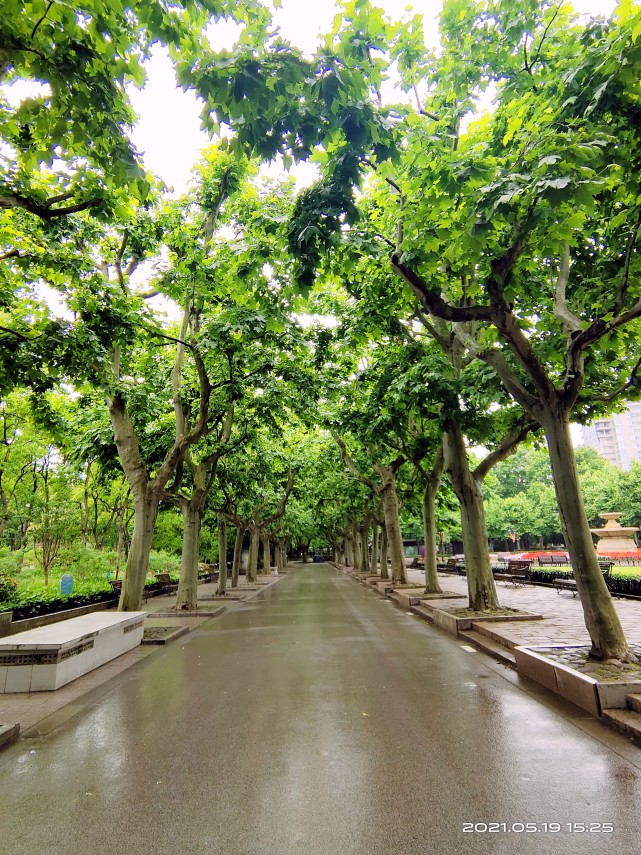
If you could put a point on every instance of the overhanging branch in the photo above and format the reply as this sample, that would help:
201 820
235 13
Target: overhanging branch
44 210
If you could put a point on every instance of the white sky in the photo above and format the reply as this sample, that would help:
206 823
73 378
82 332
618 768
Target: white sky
168 132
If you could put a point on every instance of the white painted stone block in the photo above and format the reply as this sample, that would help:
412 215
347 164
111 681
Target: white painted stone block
77 646
42 677
18 678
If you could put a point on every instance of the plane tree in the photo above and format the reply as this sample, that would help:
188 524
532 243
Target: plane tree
65 113
525 223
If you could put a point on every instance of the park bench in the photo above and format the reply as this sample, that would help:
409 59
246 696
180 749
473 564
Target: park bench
209 573
516 572
48 657
116 588
166 583
570 584
452 565
552 560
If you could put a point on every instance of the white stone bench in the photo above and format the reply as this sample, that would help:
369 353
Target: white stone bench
46 658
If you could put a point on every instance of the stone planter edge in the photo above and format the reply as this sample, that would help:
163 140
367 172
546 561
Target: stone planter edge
592 695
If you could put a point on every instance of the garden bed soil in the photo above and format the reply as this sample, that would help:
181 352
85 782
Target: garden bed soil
162 634
200 611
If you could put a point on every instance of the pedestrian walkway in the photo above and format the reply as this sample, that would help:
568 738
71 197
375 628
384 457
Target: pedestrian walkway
562 613
318 718
29 710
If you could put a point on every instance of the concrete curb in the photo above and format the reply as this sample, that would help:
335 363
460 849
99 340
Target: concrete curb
9 733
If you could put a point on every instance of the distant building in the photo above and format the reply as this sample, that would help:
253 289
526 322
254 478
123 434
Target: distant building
617 438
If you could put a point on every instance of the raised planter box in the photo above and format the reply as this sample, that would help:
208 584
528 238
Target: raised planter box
454 624
9 733
407 597
581 689
5 622
55 617
47 658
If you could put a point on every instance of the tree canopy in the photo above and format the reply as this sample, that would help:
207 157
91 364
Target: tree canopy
473 270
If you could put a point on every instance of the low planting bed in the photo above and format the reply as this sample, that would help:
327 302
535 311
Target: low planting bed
59 604
621 580
452 618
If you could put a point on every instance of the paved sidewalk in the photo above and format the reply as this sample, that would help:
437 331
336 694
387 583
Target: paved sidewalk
39 712
562 613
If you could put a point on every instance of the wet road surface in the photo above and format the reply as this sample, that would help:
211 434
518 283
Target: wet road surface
318 719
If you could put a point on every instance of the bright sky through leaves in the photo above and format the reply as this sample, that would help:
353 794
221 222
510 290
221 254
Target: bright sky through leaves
168 132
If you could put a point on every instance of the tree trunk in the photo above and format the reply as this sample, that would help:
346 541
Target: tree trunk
84 522
281 556
480 582
384 569
374 564
252 563
267 558
222 555
145 513
349 550
238 554
358 545
364 549
432 585
187 596
389 499
601 618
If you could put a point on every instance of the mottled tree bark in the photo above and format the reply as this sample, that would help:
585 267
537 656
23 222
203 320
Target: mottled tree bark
601 618
267 562
187 595
252 562
349 549
374 563
384 567
222 556
238 552
389 499
432 485
363 532
480 582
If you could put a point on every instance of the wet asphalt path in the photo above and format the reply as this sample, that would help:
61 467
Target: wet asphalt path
317 719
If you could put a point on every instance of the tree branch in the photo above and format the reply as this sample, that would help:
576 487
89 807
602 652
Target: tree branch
14 333
629 384
349 463
623 288
41 19
509 379
44 211
505 448
433 303
571 323
280 510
